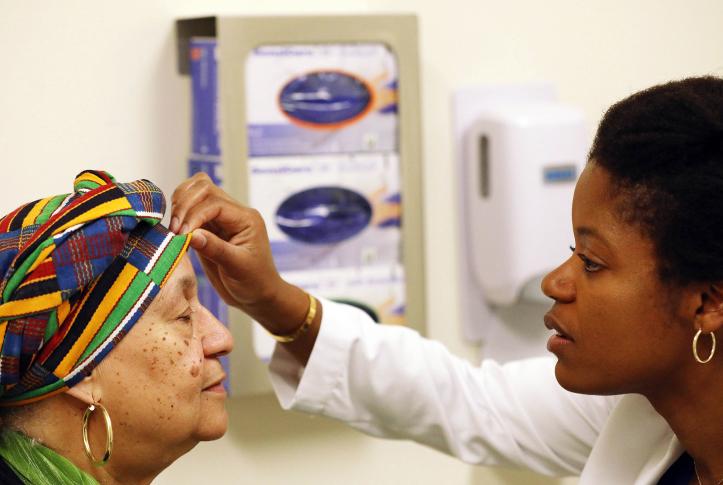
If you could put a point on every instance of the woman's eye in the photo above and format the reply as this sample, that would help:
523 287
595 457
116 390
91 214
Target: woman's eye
186 316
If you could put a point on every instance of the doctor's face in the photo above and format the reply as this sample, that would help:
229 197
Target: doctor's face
619 328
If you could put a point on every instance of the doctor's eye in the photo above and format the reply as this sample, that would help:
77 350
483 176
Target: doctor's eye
589 265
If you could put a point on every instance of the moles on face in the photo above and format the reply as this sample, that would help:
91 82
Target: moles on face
162 383
623 330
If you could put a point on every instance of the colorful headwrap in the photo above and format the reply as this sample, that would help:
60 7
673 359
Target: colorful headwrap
77 271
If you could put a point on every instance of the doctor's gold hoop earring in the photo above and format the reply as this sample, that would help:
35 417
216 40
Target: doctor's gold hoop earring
695 347
108 434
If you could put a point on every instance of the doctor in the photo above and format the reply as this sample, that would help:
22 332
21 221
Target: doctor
635 394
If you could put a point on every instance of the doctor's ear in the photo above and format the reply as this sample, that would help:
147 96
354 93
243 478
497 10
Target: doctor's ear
709 316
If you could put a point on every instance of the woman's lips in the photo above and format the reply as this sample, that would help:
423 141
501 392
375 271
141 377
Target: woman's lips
215 388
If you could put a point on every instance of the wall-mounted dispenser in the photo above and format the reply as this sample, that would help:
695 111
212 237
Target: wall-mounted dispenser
519 154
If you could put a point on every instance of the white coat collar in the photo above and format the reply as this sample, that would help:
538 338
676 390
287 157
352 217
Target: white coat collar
636 446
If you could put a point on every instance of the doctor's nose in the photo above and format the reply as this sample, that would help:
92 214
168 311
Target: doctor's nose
559 284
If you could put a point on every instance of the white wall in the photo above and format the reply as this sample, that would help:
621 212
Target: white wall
93 84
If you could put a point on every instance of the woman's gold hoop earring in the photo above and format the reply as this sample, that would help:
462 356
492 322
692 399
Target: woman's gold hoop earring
108 434
695 347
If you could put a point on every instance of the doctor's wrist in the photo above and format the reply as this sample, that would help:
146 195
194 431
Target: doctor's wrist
282 312
302 328
291 313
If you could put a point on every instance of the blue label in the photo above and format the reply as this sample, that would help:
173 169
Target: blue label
323 215
560 174
210 168
204 89
325 98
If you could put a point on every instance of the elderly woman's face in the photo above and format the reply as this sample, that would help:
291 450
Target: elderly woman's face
162 383
623 330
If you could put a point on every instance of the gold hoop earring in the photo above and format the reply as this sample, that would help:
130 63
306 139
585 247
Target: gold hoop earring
695 348
108 434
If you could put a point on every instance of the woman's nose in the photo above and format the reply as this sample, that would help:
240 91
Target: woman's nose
559 285
216 339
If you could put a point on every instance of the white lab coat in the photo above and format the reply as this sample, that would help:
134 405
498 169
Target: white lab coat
390 382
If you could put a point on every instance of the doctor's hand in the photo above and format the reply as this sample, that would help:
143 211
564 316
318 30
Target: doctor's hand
231 241
233 247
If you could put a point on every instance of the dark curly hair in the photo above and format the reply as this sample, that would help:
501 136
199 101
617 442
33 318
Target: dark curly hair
663 148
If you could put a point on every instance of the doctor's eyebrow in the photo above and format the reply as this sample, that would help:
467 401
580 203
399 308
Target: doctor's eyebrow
589 232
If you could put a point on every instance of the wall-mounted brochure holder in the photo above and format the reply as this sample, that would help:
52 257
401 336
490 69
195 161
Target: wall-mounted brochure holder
319 130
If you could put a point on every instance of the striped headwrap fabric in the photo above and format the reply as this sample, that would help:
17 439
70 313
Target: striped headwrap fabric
77 271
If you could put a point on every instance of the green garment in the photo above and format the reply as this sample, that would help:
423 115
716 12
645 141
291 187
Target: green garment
36 464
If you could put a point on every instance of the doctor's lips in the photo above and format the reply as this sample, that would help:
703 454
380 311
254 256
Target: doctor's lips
560 332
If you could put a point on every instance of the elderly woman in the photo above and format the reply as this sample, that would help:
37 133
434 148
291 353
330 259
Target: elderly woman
108 363
635 393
